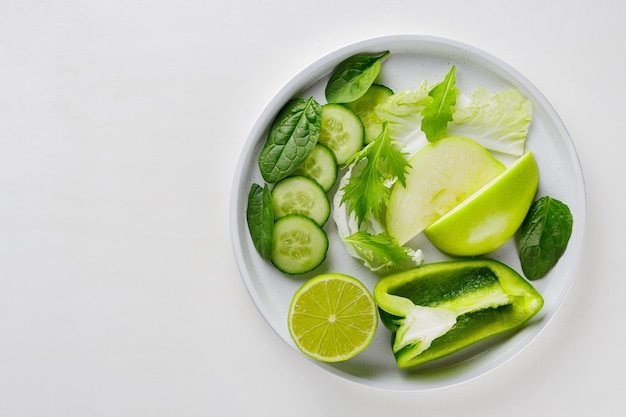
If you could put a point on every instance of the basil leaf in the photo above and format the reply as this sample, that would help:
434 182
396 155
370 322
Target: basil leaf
543 236
353 77
260 216
291 138
438 113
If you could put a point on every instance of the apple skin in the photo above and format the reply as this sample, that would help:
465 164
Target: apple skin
442 175
487 219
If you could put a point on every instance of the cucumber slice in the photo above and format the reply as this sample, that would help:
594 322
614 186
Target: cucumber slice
299 244
342 131
320 166
301 195
365 106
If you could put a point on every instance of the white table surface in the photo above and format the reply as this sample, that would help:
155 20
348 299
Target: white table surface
120 126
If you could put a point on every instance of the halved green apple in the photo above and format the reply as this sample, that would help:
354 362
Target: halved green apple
442 175
490 217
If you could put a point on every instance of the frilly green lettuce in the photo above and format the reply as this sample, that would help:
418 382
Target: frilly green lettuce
403 114
348 225
499 121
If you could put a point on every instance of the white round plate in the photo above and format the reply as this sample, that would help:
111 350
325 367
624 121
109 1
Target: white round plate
415 58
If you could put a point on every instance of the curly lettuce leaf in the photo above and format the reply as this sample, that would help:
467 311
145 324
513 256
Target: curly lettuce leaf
379 250
403 114
375 167
499 121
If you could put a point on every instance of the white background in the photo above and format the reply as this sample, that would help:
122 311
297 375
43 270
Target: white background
120 126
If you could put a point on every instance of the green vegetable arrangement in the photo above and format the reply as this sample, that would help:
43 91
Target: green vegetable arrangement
369 133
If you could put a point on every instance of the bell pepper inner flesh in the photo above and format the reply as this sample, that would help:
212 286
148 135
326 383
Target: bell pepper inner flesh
424 324
421 326
437 309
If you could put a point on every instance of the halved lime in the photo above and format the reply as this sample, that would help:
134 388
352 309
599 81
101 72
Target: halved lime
332 317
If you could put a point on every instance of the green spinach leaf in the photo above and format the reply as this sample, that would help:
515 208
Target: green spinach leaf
291 138
353 77
438 112
260 216
543 236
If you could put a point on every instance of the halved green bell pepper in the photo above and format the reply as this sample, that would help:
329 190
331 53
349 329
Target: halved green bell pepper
436 309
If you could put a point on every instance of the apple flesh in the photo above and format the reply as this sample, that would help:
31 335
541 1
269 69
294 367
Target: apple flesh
442 175
490 217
